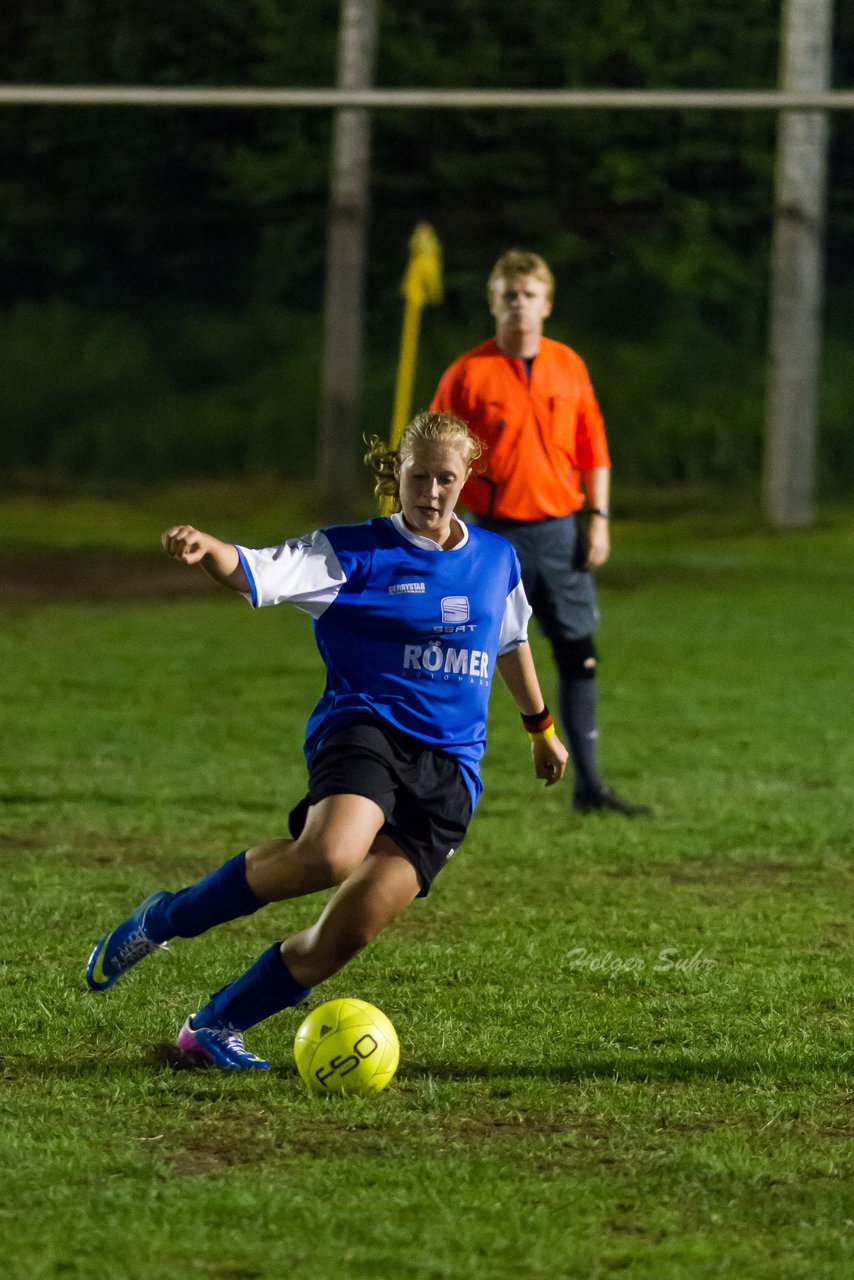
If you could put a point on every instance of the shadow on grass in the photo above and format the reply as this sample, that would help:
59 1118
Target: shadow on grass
783 1069
157 1057
185 800
54 797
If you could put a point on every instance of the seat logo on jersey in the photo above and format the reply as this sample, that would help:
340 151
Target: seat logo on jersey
407 588
455 609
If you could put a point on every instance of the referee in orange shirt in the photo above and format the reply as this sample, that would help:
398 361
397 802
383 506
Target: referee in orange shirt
530 401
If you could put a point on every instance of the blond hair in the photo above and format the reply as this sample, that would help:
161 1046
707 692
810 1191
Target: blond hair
519 262
432 428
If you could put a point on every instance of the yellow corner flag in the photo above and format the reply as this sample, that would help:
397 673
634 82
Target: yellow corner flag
422 285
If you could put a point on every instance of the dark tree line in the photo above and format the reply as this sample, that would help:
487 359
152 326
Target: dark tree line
164 268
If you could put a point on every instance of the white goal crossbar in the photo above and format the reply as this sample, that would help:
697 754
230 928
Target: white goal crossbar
419 99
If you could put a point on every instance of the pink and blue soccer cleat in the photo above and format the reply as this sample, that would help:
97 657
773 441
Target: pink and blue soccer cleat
218 1046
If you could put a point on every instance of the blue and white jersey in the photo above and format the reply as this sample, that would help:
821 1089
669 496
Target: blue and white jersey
409 633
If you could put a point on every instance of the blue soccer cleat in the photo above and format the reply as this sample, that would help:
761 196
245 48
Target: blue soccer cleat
218 1046
123 948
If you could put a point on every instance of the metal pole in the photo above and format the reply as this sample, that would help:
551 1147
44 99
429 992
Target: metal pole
788 482
337 467
154 96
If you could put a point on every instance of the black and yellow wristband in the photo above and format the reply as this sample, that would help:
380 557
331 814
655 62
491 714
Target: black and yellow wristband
539 727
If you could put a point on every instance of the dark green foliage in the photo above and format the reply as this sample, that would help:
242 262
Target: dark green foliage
95 393
167 229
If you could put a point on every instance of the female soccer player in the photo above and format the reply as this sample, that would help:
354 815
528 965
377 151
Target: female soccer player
412 613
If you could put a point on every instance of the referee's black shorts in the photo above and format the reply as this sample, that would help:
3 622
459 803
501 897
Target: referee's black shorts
426 803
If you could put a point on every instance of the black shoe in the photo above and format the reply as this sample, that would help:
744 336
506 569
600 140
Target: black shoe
607 800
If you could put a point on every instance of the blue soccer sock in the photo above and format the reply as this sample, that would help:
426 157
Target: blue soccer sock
267 987
223 895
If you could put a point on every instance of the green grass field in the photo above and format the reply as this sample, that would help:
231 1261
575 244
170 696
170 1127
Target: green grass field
626 1046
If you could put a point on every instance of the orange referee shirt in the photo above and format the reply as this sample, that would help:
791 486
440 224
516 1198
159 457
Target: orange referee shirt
539 437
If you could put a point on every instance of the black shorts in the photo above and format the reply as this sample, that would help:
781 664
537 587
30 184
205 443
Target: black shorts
426 803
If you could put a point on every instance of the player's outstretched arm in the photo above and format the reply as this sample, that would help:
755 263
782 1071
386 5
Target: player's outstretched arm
517 670
218 559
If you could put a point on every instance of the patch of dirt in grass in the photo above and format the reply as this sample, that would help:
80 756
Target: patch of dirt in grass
211 1155
841 929
764 872
31 579
94 847
101 850
688 872
242 1144
14 844
841 1130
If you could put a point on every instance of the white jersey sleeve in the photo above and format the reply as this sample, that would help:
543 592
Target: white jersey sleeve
514 627
304 572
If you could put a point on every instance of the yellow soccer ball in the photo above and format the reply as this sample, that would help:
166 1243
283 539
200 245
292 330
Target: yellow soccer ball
346 1046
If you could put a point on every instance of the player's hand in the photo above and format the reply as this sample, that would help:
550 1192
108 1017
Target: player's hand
184 543
550 757
599 542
